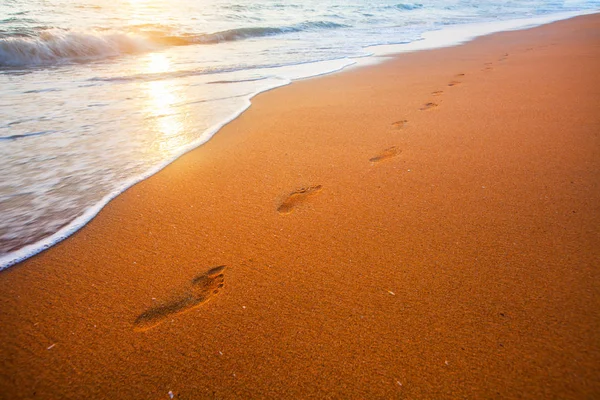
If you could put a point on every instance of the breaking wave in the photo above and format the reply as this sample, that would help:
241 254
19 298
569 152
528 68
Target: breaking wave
245 33
58 47
55 46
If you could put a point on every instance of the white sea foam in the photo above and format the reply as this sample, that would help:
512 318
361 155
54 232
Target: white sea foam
15 257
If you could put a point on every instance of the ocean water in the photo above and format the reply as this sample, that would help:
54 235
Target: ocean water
96 95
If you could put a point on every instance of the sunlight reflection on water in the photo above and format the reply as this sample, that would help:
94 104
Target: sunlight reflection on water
164 111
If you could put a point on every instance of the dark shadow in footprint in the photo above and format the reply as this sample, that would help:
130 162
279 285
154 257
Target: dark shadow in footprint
399 124
437 92
203 288
387 153
297 197
454 83
428 106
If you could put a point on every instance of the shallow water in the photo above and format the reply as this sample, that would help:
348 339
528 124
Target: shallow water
96 95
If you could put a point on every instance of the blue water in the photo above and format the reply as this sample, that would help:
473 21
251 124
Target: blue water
96 95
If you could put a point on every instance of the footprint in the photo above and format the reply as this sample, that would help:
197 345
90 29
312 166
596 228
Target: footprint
399 124
454 83
428 106
297 197
459 75
204 287
387 153
437 92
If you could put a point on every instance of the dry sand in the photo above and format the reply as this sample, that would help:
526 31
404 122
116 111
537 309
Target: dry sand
424 228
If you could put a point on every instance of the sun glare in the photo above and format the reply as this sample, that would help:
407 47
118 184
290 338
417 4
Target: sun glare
158 63
163 114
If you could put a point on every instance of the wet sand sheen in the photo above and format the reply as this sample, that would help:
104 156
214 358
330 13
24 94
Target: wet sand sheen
424 228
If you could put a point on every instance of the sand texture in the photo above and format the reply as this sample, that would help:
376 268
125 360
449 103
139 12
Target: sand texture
423 228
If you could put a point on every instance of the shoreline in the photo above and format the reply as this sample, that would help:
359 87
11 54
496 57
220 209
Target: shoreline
422 228
431 40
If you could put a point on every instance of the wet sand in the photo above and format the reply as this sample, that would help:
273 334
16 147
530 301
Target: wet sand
424 228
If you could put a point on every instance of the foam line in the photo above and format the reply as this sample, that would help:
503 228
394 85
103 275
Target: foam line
28 251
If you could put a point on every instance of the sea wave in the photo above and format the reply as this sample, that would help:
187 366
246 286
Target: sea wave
57 46
408 6
245 33
26 135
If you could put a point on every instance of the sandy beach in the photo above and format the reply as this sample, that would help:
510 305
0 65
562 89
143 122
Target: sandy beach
426 228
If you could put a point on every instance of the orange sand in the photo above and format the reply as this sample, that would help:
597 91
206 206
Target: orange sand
424 228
